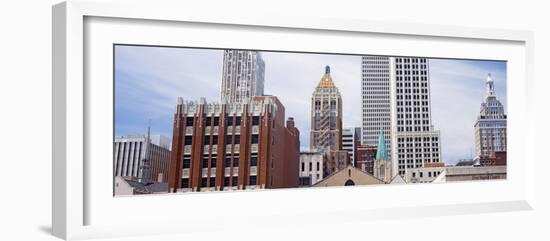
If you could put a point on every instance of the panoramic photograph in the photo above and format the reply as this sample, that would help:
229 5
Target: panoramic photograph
215 120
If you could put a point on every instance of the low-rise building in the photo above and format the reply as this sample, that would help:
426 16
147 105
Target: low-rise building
472 173
364 158
311 167
125 186
349 176
334 161
426 174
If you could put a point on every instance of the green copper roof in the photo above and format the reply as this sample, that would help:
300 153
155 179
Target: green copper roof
381 152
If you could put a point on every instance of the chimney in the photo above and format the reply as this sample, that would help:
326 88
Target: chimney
290 123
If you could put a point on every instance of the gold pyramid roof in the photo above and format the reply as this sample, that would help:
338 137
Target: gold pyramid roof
326 81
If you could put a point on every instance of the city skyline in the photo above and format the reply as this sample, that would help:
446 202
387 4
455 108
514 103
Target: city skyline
153 77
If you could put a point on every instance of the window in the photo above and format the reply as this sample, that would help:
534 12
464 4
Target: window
255 139
185 183
188 140
237 139
255 120
310 166
318 166
236 161
216 121
212 182
226 181
213 163
208 121
303 166
186 163
253 161
252 180
228 139
238 121
227 162
189 121
203 182
229 121
207 140
214 140
205 163
235 181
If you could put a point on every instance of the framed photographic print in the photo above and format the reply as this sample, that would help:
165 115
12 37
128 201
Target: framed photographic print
227 120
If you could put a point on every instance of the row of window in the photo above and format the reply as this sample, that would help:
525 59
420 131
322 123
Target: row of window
211 182
215 121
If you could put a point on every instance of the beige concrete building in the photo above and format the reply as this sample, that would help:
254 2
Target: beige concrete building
349 176
472 173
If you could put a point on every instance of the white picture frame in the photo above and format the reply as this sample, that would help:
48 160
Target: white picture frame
73 193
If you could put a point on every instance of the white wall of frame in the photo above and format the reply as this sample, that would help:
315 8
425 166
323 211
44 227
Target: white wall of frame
26 53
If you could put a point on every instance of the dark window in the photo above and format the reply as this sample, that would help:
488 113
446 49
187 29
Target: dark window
226 181
229 120
213 163
310 166
236 161
212 182
235 181
189 121
186 163
237 139
188 140
254 139
252 180
185 183
227 139
255 120
205 163
303 166
203 182
214 140
227 162
253 161
208 121
216 121
238 121
206 140
349 182
318 166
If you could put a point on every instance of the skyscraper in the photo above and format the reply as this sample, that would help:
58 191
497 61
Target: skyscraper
350 139
242 77
396 99
490 126
326 115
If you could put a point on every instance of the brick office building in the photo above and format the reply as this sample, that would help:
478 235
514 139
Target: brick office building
233 146
364 158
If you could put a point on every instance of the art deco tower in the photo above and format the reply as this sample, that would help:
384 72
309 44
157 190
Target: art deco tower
242 77
326 115
490 126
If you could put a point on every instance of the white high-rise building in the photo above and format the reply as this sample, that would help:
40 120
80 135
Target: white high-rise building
375 95
396 98
350 138
242 77
490 126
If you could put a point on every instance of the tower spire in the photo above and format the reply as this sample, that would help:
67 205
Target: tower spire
326 81
381 152
490 86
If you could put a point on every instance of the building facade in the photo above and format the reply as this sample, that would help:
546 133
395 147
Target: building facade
490 126
242 77
326 115
131 157
351 137
311 167
472 173
426 174
334 161
396 98
233 146
364 158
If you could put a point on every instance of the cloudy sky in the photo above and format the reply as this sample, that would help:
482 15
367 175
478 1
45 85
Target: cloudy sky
149 79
